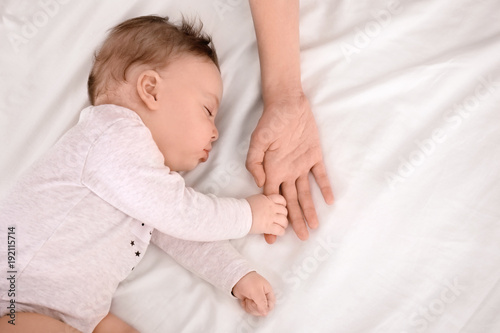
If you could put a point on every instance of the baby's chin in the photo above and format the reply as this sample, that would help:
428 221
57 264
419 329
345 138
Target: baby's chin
184 167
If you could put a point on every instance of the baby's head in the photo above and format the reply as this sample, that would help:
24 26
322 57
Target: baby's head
169 75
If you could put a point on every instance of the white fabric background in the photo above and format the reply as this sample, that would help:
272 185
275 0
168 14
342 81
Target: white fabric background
406 97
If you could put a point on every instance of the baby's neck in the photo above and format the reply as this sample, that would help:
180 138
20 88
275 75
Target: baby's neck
123 96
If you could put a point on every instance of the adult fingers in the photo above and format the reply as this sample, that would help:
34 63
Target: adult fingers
294 212
321 177
306 202
259 144
254 164
272 185
270 239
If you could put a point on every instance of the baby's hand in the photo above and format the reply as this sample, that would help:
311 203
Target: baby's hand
255 294
268 214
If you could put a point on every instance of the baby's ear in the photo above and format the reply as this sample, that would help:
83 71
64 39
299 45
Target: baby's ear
147 88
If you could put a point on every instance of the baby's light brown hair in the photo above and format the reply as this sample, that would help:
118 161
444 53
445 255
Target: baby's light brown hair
145 40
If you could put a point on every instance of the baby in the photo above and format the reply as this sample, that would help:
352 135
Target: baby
86 212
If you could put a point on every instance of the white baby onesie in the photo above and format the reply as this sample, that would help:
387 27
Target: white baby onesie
85 213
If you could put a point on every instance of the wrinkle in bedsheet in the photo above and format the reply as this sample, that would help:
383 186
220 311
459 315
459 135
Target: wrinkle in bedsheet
409 131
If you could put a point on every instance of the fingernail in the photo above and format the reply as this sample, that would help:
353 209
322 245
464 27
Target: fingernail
330 200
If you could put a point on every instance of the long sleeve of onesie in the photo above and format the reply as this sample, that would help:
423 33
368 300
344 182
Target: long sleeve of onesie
125 168
85 210
216 262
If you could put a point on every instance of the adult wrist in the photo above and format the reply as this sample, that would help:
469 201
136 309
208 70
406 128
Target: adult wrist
279 91
281 95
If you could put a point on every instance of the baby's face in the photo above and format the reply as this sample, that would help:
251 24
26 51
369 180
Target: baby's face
189 97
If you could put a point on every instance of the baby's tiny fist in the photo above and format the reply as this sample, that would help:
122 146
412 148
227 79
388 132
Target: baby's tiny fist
255 294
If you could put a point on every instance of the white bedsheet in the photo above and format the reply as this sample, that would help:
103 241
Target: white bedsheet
406 95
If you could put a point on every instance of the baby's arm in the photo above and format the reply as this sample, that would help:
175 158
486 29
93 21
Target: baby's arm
221 265
216 262
125 168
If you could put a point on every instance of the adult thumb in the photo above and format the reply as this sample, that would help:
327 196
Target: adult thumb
255 162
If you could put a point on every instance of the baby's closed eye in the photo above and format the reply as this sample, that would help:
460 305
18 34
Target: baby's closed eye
208 110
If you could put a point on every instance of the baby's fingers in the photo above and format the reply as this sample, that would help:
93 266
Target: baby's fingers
279 209
278 199
271 300
277 229
250 306
281 220
260 301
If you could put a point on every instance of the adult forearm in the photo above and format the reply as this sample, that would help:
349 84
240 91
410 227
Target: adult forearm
277 29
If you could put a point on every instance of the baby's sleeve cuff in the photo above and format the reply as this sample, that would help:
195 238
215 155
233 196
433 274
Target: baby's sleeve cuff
240 276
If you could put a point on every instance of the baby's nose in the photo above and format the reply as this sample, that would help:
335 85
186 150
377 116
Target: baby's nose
215 134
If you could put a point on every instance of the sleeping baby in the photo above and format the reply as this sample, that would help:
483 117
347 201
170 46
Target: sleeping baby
86 212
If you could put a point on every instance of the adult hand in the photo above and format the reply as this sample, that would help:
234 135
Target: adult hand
284 148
